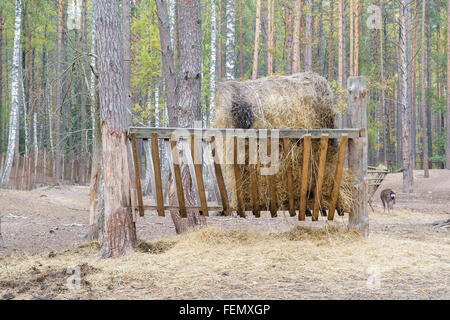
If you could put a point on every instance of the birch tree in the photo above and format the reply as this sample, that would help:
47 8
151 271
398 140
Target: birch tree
212 67
14 115
229 46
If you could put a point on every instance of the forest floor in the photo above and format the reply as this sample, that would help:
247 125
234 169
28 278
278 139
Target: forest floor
405 256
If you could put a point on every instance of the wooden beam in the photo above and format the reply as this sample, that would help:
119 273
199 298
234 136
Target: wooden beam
212 208
357 155
138 176
253 167
320 176
219 178
165 133
238 182
198 173
305 172
273 205
157 171
177 173
338 176
289 178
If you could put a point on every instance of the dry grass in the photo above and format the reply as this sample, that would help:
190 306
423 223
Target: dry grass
216 264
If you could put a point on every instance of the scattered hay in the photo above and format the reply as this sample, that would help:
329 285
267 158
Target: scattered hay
157 247
211 263
300 101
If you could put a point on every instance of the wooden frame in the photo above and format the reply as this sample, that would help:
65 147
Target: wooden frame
354 140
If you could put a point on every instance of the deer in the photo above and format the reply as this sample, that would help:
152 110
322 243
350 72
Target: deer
388 199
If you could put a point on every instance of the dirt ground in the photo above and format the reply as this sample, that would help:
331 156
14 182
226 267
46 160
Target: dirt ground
405 256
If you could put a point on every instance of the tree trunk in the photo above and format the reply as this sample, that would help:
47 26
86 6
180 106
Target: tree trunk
447 140
309 26
189 101
429 86
422 98
212 67
382 98
84 135
412 85
256 46
241 43
167 62
14 114
220 42
331 44
119 235
288 38
1 83
296 40
321 53
404 99
229 54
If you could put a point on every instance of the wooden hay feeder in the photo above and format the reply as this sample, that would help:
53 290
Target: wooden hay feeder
200 145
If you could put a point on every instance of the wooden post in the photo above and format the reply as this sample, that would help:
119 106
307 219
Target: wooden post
220 179
357 154
320 176
254 179
157 172
138 176
178 181
237 176
198 173
289 177
273 204
338 176
305 170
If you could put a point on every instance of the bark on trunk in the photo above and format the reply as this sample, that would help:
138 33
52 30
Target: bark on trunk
119 235
14 115
296 40
331 44
423 101
256 45
229 55
308 45
404 98
167 62
212 67
447 141
189 101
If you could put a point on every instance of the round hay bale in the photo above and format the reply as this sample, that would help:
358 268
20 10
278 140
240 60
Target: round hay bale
299 101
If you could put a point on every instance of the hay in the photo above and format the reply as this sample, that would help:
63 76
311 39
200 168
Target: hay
299 101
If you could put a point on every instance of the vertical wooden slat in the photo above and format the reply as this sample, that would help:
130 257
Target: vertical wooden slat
305 172
272 184
198 173
138 176
254 181
177 173
220 180
338 176
289 178
237 176
157 171
320 175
